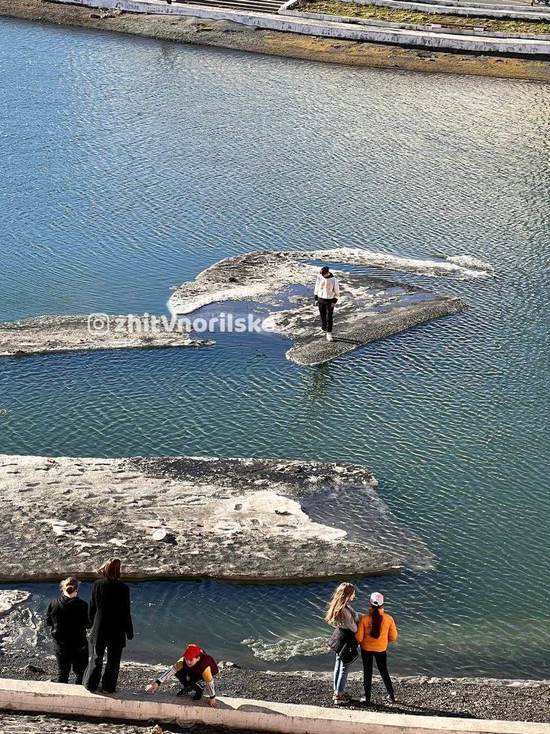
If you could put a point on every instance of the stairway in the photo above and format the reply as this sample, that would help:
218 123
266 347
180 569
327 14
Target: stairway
256 6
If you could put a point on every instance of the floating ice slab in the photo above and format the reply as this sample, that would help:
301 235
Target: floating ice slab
52 334
189 517
369 308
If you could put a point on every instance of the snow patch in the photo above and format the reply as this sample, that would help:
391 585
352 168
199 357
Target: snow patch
461 266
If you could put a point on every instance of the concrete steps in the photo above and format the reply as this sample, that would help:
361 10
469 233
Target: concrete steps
294 23
256 6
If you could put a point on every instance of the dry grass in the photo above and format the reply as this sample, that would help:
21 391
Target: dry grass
395 15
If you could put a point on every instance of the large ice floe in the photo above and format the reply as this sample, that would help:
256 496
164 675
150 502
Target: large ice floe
55 334
192 517
370 307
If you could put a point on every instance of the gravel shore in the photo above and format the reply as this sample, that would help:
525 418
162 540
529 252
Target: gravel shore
514 700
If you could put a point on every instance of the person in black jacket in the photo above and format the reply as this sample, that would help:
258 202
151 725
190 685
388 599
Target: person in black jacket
111 623
68 618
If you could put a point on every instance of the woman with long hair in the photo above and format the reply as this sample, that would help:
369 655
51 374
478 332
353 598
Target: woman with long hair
111 623
374 633
67 616
341 615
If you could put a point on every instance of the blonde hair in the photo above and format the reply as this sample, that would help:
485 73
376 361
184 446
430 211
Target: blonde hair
110 569
69 585
341 597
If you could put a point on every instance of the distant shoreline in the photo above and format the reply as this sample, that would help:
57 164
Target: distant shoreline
229 35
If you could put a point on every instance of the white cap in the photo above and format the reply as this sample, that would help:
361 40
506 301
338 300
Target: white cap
376 599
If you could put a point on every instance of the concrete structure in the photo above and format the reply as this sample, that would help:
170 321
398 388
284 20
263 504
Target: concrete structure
256 6
236 713
348 31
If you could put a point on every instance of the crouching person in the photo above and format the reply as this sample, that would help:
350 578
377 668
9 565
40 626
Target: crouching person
67 616
195 670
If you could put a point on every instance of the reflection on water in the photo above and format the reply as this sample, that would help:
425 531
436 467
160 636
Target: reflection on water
121 185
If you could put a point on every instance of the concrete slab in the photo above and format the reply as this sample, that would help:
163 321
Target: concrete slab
236 713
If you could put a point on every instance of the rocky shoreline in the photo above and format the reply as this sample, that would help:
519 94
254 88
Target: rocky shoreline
225 34
194 517
26 653
479 698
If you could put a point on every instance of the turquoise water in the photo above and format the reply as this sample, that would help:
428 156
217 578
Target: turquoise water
130 165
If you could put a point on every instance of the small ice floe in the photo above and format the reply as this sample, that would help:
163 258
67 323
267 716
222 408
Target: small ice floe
472 263
223 664
462 266
287 648
20 625
10 598
159 534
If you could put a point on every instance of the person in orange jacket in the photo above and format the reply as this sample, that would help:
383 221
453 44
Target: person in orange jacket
374 633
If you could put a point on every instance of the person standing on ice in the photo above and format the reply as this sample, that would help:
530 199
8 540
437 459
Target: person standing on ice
326 293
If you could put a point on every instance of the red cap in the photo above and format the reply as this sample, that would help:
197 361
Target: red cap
191 652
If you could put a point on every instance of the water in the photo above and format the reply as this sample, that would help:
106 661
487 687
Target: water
130 165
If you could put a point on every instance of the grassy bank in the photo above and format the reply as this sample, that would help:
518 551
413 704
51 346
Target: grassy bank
416 17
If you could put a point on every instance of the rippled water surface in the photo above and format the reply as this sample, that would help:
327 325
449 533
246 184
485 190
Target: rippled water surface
130 165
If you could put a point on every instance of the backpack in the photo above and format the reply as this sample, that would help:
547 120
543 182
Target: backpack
343 643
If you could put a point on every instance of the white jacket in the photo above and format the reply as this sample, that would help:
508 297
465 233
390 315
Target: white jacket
327 287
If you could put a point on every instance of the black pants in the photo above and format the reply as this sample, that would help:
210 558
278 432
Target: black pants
382 665
326 311
190 683
95 666
71 656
